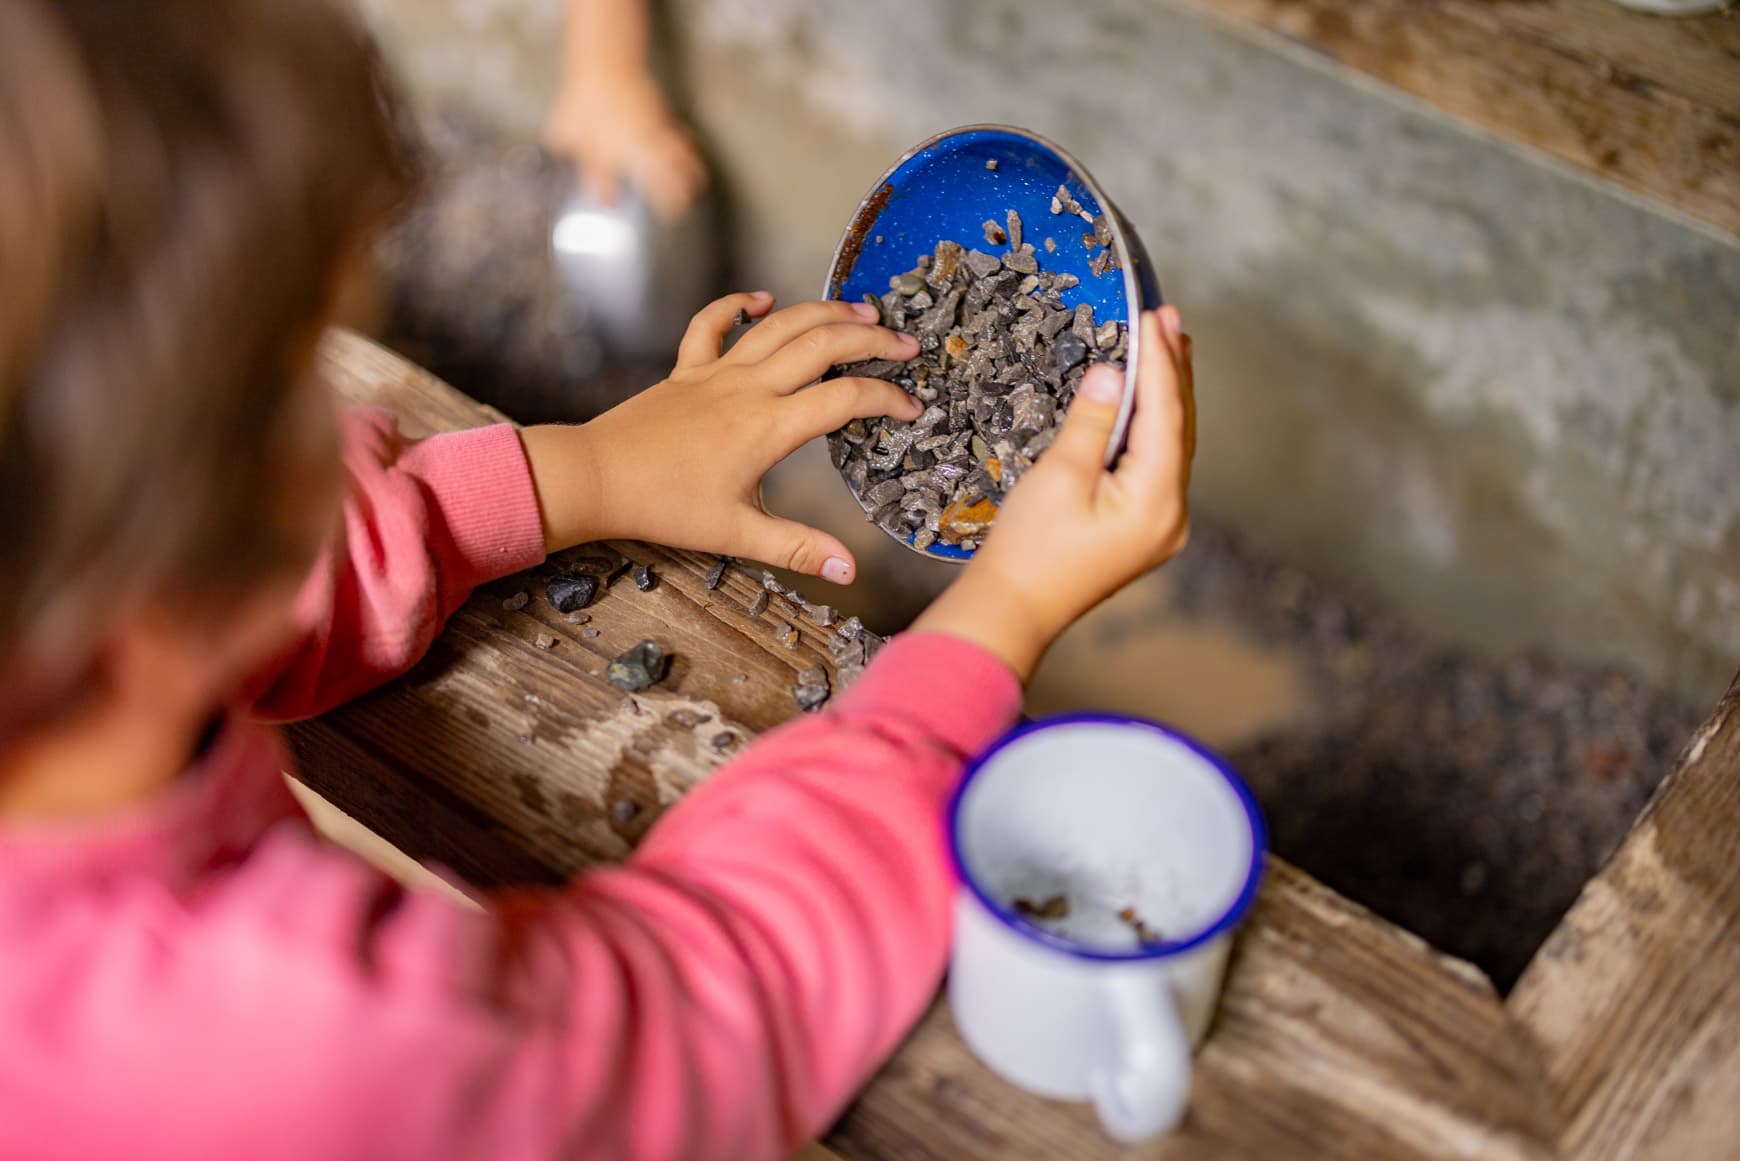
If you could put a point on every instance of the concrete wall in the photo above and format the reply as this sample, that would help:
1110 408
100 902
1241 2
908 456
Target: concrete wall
495 58
1504 397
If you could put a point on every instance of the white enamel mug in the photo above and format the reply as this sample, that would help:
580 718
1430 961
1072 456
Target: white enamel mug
1156 849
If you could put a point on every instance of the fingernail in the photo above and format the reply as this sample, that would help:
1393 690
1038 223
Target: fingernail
1173 324
761 295
907 340
1102 384
865 311
837 570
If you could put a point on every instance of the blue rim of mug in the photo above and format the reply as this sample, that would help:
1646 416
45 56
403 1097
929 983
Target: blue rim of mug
1228 918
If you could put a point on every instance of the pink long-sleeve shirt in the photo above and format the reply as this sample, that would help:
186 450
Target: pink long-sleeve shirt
202 977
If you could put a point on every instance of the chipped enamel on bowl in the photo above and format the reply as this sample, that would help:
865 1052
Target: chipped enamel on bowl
942 190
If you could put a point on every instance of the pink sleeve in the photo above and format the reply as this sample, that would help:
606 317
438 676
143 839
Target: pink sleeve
723 994
729 989
424 523
781 929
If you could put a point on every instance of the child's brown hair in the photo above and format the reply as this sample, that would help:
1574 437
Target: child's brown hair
181 184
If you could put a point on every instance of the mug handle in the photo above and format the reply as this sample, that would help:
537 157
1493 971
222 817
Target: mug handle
1145 1090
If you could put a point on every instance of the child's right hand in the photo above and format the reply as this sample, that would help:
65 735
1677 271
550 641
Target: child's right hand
1073 533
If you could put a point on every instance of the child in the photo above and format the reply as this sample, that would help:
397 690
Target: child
188 971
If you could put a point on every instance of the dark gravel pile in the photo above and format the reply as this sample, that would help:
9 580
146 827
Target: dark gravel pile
1466 798
1000 357
470 291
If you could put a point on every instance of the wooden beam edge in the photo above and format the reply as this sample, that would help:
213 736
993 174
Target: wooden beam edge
1646 142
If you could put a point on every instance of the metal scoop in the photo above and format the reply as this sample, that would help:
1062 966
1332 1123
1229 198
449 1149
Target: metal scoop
636 279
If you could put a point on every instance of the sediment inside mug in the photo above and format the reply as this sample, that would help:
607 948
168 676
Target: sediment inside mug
1108 837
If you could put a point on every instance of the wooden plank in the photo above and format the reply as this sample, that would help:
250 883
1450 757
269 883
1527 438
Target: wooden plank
503 760
1634 1002
348 832
1650 103
517 747
1341 1036
1696 59
366 374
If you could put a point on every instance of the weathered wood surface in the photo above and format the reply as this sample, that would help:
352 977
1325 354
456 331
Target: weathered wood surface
1648 102
1634 1001
1340 1036
519 752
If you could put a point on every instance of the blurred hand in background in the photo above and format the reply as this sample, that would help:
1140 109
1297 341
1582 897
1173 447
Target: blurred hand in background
610 116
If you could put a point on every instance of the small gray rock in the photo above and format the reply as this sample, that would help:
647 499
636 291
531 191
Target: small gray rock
982 265
1070 351
887 492
571 591
906 285
639 667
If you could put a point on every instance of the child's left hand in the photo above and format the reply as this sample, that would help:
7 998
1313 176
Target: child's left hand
681 463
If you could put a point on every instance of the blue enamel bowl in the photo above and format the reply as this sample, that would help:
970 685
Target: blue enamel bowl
944 189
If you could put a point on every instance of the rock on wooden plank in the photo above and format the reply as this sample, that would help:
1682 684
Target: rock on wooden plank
639 667
571 592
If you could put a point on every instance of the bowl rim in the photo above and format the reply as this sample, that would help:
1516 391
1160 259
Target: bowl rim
1231 915
873 202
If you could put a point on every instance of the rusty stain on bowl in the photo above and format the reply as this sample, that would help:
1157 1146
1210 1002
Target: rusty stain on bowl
853 243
